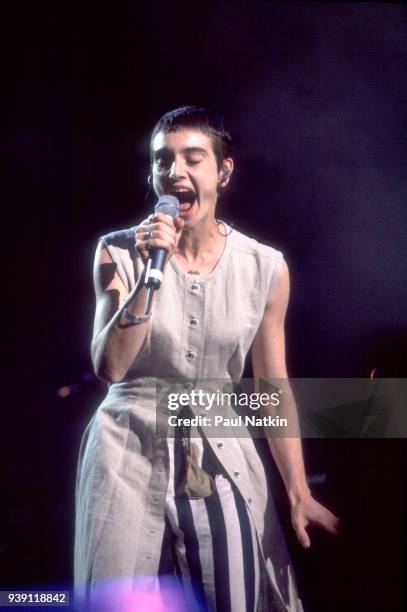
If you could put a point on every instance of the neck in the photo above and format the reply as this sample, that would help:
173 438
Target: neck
204 239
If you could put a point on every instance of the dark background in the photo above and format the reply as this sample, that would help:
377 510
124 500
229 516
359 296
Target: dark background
314 94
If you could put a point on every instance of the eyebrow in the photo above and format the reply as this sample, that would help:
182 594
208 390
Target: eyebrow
183 150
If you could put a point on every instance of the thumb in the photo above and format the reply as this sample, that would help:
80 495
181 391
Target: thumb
179 224
303 538
302 535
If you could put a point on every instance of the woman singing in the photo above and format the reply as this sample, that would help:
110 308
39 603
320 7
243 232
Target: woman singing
223 294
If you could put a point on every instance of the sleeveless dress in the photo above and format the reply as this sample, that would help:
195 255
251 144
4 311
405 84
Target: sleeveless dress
201 328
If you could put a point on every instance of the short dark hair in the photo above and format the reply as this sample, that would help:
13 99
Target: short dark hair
197 118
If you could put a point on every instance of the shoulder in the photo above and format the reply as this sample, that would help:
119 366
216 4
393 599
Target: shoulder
121 239
261 264
121 248
248 248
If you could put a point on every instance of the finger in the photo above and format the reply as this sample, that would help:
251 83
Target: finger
140 230
158 243
161 217
163 232
331 524
304 540
157 231
325 519
142 233
145 222
299 526
159 225
140 243
141 237
158 234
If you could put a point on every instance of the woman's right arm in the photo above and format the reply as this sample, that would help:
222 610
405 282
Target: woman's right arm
116 341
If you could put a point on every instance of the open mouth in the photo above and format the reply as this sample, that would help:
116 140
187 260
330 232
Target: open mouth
186 198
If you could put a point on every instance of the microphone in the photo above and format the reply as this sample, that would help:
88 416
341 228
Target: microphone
168 205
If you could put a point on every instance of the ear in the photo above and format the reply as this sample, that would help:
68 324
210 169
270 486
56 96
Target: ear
225 172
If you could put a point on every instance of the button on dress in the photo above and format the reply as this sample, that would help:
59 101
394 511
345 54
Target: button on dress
201 328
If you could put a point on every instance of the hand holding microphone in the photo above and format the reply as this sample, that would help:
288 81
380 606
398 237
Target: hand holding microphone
161 234
158 238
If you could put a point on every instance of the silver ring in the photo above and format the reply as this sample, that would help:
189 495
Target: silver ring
148 235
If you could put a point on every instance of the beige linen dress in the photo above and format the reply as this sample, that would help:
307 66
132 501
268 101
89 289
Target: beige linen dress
201 328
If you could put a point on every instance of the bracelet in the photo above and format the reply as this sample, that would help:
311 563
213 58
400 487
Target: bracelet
135 319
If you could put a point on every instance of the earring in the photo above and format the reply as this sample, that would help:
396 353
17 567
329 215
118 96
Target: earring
149 179
226 174
219 223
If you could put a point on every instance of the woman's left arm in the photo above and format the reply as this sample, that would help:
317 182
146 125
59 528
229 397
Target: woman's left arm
269 362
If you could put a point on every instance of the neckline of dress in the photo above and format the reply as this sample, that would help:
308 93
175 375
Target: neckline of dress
219 264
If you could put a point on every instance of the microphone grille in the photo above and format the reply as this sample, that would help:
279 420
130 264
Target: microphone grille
168 205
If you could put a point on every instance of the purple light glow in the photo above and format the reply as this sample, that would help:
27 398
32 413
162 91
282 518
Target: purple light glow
141 594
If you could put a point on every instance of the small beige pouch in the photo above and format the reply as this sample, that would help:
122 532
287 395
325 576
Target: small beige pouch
194 482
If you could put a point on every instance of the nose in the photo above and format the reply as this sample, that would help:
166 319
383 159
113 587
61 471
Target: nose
176 170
